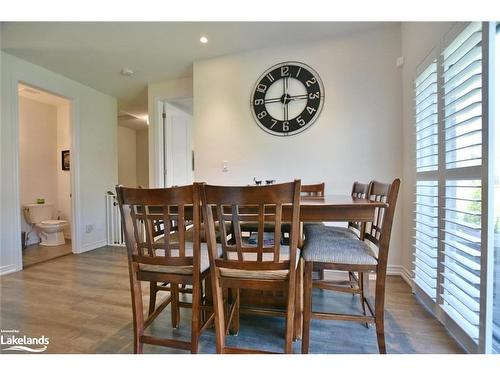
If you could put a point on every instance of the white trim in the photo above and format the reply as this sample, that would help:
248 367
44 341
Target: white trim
5 270
91 246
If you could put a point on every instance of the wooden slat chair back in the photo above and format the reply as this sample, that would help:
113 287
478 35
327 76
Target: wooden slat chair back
377 235
145 214
359 190
313 190
261 266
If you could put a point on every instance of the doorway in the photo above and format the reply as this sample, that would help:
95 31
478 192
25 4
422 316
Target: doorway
178 155
45 182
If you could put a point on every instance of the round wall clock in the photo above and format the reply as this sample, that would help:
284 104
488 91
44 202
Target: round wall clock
287 98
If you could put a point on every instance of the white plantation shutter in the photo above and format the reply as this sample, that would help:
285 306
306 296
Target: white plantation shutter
462 114
462 254
450 209
426 117
426 237
463 99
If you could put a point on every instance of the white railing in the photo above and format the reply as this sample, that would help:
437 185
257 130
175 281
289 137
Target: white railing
114 232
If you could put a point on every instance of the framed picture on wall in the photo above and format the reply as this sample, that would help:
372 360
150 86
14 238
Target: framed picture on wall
65 160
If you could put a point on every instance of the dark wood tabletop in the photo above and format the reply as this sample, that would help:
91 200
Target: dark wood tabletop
335 208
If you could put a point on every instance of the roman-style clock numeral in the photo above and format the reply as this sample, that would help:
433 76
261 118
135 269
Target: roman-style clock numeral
287 98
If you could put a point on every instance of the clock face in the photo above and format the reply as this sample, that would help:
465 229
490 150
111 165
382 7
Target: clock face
287 98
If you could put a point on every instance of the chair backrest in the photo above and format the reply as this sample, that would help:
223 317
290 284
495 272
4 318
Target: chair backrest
378 232
258 204
315 190
149 212
359 190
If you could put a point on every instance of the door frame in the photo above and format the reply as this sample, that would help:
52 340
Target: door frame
75 165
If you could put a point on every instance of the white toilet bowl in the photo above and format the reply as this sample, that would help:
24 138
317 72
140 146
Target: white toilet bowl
51 232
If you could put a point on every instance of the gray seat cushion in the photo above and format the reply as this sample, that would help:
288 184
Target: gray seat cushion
325 246
341 232
182 270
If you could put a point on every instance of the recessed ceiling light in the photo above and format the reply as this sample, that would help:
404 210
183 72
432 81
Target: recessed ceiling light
127 72
204 40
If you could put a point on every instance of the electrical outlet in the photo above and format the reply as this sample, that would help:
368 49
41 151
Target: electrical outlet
225 167
89 228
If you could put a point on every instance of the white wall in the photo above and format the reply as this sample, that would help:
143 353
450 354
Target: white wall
417 40
357 136
142 157
64 177
127 165
94 117
37 156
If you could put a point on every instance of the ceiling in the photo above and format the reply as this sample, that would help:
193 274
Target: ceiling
93 53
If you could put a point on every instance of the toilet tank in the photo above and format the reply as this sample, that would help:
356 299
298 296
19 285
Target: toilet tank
36 213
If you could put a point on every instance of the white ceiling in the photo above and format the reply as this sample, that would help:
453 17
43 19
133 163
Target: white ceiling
93 53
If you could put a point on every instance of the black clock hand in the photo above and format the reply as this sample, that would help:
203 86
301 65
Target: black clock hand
296 97
273 100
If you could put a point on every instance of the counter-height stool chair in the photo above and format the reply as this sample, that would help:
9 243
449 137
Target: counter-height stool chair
353 255
264 266
353 230
163 260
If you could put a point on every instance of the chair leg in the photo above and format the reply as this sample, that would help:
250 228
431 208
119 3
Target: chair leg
195 316
137 311
299 302
290 313
379 313
220 331
152 296
361 282
308 270
174 292
235 322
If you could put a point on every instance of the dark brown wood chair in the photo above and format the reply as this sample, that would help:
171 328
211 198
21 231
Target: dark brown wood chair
162 260
353 255
263 266
353 230
314 190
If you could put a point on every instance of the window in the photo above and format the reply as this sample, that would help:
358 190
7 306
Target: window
449 204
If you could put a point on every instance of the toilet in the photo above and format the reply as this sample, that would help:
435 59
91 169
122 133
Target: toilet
50 231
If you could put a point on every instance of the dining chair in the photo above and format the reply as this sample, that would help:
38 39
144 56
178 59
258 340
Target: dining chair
353 255
353 230
312 190
172 262
264 266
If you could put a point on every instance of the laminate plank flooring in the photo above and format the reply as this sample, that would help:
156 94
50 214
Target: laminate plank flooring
35 254
82 304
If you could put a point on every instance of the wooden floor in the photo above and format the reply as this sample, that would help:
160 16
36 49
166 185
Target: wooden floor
82 304
34 254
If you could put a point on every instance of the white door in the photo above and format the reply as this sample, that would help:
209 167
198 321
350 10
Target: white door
177 146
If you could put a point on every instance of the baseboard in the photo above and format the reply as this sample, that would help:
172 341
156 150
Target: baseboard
5 270
91 246
392 270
